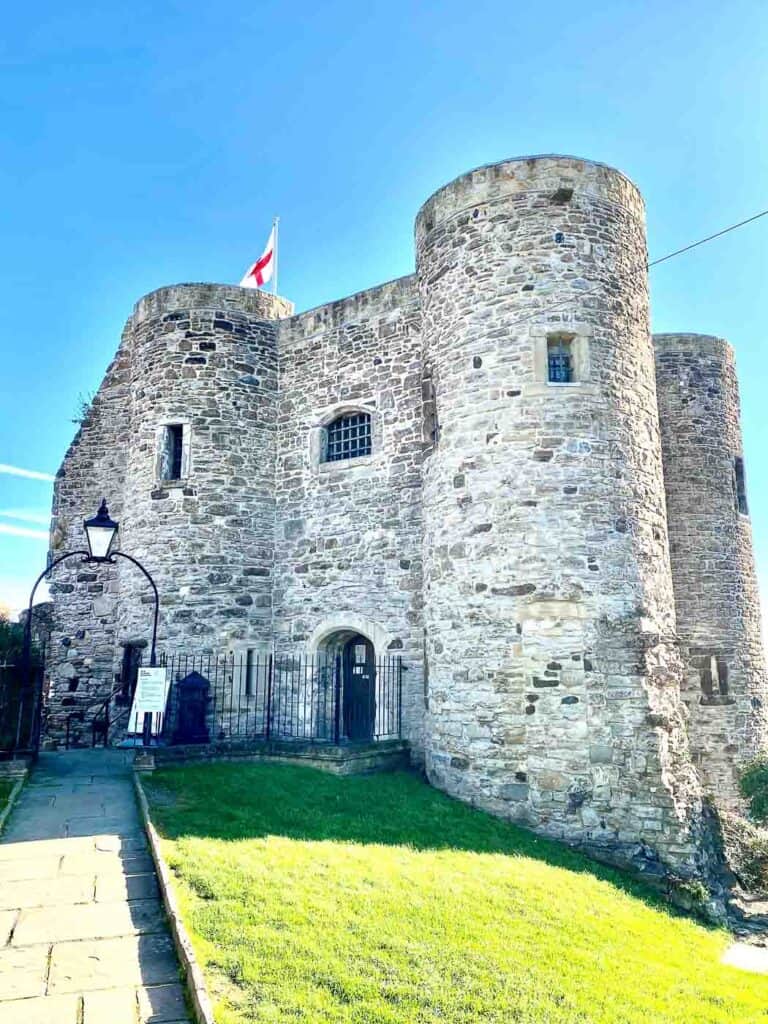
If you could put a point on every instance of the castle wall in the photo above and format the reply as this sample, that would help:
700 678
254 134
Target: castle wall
348 538
507 536
716 593
549 613
205 357
81 657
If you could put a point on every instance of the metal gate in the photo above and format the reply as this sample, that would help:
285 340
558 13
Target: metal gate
21 692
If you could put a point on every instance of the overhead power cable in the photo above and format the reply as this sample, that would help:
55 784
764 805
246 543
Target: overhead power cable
709 238
662 259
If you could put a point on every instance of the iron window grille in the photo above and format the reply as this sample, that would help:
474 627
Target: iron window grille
348 437
560 360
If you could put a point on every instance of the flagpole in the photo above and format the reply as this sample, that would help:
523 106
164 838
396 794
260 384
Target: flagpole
275 222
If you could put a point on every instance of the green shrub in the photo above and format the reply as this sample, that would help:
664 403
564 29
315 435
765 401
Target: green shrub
754 786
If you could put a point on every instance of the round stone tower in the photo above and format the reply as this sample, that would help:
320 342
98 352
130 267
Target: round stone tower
554 682
198 507
710 537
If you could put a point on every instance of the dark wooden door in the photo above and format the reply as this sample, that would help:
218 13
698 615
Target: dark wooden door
359 688
129 673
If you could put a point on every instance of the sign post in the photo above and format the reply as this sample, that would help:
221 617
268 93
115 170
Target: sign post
149 702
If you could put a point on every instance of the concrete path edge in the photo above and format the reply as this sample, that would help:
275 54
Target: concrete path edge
6 812
193 975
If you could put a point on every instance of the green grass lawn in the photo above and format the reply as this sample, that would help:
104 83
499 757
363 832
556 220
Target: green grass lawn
5 791
378 900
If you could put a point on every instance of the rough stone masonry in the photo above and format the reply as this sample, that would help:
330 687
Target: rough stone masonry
548 522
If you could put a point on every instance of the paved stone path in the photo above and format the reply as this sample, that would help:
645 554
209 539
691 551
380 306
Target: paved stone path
83 937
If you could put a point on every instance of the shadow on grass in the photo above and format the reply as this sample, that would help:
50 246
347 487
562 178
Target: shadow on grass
250 801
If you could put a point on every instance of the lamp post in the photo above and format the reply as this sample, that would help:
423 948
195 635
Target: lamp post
100 534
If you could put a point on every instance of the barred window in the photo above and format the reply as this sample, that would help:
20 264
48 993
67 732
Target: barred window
560 360
348 437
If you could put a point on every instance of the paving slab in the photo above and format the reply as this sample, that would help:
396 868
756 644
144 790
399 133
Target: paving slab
13 848
113 887
20 870
8 919
115 1006
23 972
45 1010
87 921
83 935
161 1003
747 957
48 892
112 963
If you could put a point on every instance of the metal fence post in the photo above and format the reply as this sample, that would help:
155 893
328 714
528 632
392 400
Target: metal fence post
337 700
399 698
270 669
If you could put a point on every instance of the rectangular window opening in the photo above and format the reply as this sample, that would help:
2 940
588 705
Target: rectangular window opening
172 456
560 360
430 428
713 677
740 486
348 437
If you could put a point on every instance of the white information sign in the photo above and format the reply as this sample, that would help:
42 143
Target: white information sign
150 698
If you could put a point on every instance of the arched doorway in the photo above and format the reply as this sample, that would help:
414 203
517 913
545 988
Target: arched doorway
351 660
358 688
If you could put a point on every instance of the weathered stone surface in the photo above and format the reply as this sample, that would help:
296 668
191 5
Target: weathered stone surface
559 579
506 535
22 972
49 892
8 920
87 937
102 920
710 540
112 963
48 1010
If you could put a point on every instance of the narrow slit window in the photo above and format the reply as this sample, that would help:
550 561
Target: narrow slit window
172 456
560 360
740 486
713 676
429 408
348 437
720 676
705 675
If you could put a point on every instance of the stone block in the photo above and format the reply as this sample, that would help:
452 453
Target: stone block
600 753
514 791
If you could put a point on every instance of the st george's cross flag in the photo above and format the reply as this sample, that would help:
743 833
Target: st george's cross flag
262 270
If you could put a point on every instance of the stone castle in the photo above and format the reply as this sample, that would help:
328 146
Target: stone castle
490 468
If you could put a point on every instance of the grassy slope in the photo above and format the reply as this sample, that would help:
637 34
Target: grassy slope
6 786
318 899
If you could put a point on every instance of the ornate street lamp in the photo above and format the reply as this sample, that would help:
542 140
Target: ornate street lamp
100 533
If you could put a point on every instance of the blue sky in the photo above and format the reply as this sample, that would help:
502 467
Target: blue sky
149 143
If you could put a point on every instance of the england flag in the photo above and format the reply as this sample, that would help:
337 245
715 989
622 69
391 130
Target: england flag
262 270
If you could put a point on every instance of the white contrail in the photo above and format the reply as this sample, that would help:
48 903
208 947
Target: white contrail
31 474
25 515
23 531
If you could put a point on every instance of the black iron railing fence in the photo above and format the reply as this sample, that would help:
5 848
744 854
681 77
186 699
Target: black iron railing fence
304 697
20 707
